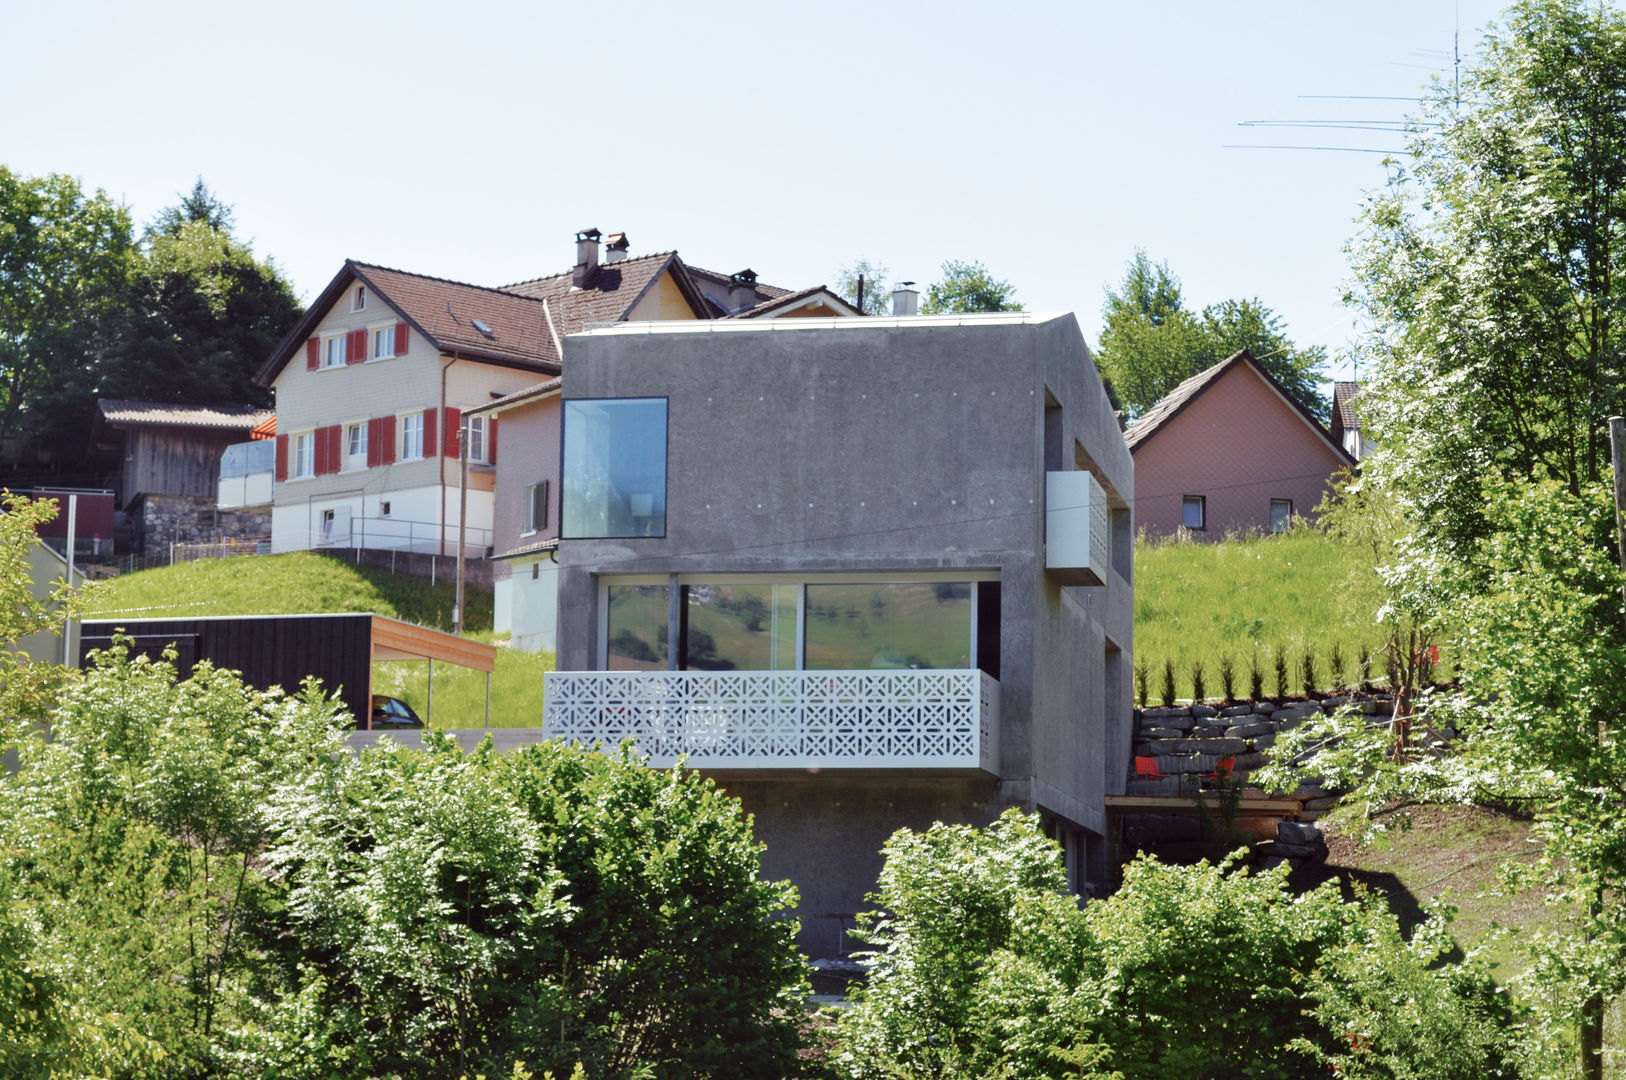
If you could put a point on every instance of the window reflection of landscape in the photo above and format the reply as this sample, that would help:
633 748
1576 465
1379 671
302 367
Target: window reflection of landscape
638 619
924 624
761 626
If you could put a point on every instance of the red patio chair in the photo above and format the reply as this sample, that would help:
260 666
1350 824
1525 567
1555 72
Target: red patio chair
1146 769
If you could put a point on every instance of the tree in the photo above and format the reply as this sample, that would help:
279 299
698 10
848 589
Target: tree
967 287
1150 343
1490 269
66 260
207 312
877 299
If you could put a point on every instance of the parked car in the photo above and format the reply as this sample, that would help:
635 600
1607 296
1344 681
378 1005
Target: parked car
392 712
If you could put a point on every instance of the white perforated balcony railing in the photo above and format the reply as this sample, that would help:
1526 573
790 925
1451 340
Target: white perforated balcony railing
933 719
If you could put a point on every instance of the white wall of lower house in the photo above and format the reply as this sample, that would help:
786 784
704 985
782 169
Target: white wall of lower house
526 604
413 521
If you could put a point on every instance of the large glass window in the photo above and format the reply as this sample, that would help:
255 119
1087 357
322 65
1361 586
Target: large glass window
732 625
924 624
637 624
740 627
614 468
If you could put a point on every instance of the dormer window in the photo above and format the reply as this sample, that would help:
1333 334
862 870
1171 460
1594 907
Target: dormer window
359 301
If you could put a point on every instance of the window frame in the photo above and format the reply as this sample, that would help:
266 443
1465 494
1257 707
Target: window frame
355 460
478 430
533 521
302 452
801 581
1201 502
378 335
1287 523
666 469
358 299
401 420
343 348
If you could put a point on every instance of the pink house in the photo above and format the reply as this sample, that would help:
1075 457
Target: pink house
1228 450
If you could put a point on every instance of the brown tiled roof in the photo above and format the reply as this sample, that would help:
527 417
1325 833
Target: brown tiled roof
160 414
609 294
716 288
445 311
1158 416
1343 404
535 390
786 300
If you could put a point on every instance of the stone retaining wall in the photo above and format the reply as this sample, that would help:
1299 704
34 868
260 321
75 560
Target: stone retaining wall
1187 741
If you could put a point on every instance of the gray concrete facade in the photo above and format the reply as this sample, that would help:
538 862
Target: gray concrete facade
871 446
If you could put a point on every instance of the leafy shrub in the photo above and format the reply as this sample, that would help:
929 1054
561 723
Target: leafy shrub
1142 675
1256 680
1340 681
454 913
1365 666
1167 695
983 968
1228 677
1280 659
1198 689
1307 674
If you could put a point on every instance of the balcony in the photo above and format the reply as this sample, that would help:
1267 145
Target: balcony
246 471
1077 548
904 719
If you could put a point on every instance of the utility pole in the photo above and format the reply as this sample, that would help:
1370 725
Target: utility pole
462 519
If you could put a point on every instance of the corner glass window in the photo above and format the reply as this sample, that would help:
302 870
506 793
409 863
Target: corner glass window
614 468
889 625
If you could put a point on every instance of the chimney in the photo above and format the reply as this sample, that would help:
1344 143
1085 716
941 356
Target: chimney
742 290
586 257
905 299
615 248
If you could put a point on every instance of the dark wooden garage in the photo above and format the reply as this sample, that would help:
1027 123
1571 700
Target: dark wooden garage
282 650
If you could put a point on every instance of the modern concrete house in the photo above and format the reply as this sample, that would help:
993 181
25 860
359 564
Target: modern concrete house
867 573
1229 451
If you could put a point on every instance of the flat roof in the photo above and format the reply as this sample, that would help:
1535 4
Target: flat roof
870 322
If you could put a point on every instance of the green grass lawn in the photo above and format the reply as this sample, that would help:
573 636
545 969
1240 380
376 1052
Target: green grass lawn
1258 595
304 582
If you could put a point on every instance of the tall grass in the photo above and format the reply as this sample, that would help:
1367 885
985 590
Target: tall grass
1278 598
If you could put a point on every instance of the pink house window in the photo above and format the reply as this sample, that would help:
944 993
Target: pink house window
1193 512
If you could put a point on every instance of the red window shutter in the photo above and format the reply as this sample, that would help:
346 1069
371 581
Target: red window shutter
282 458
358 347
400 339
333 437
313 353
319 457
386 440
491 440
375 445
454 417
429 418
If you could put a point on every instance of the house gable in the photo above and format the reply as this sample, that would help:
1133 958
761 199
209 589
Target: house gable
1233 438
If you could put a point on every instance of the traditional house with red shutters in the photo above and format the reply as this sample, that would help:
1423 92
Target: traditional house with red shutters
373 383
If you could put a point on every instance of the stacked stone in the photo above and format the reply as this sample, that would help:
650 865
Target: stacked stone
1297 842
1190 740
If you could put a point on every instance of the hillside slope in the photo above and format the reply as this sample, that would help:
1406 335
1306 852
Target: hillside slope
302 582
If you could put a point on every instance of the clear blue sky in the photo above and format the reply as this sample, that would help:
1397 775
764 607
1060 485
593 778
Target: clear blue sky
472 141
